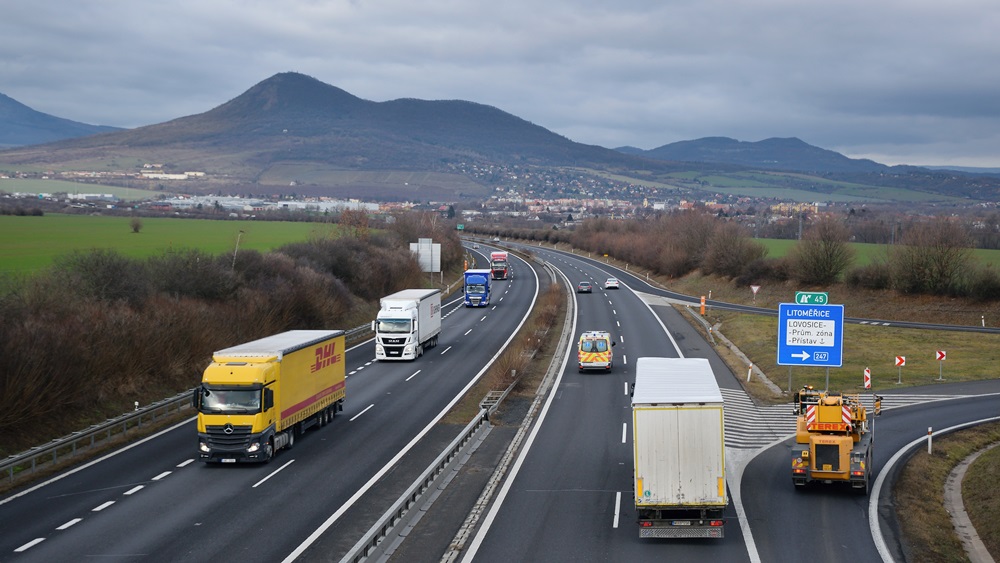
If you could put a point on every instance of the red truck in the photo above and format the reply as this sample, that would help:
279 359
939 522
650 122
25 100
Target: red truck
499 265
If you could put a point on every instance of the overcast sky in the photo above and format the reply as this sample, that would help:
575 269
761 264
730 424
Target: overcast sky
897 81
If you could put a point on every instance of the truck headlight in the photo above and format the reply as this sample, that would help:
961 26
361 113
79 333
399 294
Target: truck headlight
253 447
408 349
204 447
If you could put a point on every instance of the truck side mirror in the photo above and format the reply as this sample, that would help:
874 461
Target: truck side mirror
373 326
268 399
631 389
196 399
613 343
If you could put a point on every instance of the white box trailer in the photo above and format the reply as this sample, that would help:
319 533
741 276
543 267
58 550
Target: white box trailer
408 323
679 448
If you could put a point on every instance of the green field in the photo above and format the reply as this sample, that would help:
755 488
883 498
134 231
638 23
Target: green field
32 243
31 186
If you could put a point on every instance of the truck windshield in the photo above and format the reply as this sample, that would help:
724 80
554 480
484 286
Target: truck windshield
243 401
475 288
500 264
386 326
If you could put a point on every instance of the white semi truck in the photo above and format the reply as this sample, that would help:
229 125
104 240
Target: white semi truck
408 323
679 449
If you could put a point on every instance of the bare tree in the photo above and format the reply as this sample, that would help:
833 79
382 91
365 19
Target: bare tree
823 253
730 250
931 258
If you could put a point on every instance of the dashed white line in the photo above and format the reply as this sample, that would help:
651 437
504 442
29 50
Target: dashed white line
467 332
185 463
162 475
29 545
619 323
133 490
273 473
624 359
445 351
482 319
362 412
618 508
624 431
103 506
626 387
412 376
70 523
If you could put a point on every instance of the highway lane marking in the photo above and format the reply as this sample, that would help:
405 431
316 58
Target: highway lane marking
362 412
162 475
619 323
618 508
29 545
185 463
622 338
273 473
626 387
467 332
103 506
494 308
445 351
414 374
624 431
482 319
70 523
134 490
624 359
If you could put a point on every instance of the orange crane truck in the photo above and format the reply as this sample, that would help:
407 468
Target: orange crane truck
833 439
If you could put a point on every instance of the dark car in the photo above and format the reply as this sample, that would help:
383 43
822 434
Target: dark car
584 287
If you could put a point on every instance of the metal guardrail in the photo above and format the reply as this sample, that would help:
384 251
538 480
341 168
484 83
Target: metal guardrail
371 542
68 446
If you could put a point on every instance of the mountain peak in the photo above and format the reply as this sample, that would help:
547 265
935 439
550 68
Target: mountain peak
288 93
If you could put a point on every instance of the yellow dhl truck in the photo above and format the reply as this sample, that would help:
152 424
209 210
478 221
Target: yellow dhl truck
833 439
594 350
257 398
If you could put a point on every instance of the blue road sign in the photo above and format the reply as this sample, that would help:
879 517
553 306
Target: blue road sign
810 335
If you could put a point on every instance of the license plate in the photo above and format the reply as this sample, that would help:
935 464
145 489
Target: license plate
681 523
229 460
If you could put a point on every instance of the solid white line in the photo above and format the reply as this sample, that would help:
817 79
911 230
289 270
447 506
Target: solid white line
162 475
412 376
70 523
273 473
185 463
103 506
618 508
133 490
445 351
624 431
467 332
29 545
362 412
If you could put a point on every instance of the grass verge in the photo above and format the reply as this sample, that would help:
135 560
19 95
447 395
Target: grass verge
925 523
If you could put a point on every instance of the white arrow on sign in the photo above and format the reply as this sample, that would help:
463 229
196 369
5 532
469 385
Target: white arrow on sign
803 355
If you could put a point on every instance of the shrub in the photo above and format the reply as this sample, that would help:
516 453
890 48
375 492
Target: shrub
876 275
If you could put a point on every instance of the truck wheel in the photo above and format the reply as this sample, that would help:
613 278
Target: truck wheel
291 436
269 450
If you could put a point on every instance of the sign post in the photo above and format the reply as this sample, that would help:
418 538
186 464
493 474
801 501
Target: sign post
900 362
754 289
810 335
941 355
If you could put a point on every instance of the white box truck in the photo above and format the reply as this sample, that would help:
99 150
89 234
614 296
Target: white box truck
408 322
679 446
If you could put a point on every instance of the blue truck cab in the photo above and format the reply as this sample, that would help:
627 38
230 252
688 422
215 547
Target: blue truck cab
477 288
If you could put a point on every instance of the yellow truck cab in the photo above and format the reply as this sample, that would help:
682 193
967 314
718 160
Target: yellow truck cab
594 350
